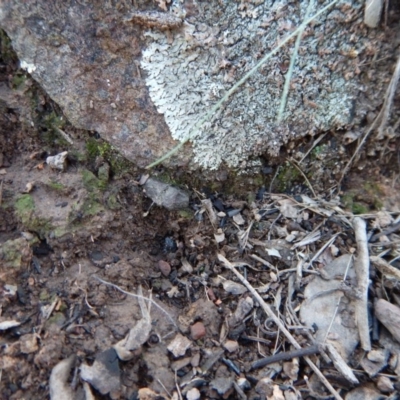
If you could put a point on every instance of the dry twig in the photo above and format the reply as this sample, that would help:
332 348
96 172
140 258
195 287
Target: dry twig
138 297
340 364
361 266
279 324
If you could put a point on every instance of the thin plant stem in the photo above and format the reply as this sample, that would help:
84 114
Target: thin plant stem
289 74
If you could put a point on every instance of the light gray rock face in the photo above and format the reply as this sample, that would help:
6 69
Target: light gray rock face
143 81
164 195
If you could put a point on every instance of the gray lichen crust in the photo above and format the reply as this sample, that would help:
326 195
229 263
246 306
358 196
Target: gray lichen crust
190 68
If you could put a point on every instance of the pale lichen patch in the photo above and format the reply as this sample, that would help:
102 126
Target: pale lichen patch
185 78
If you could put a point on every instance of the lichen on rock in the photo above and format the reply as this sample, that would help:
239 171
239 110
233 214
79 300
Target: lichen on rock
190 69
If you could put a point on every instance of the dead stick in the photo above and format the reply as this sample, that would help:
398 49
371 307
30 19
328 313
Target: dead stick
285 355
361 266
279 324
340 364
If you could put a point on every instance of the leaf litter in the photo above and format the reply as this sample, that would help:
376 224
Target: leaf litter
293 308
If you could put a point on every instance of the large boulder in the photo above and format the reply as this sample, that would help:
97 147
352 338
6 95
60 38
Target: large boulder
143 80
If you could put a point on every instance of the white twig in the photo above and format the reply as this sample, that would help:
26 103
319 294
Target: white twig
361 266
279 324
138 297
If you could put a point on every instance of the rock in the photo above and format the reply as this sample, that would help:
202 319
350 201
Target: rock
231 346
193 394
244 306
148 394
158 367
384 384
181 363
195 361
264 387
179 345
8 324
14 253
319 309
58 161
197 331
222 384
164 267
58 386
89 59
366 392
389 315
104 374
375 361
29 343
244 384
233 287
164 195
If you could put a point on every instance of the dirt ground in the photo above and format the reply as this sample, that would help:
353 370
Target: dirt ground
63 234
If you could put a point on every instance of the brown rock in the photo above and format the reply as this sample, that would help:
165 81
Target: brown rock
197 331
389 315
164 267
29 343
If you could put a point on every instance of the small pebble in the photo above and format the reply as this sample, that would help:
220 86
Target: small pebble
197 331
384 384
231 345
164 267
193 394
179 345
195 362
58 161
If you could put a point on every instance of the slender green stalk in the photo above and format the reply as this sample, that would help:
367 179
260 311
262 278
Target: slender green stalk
239 83
289 74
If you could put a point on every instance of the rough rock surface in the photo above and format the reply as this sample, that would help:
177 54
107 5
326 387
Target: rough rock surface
95 59
170 197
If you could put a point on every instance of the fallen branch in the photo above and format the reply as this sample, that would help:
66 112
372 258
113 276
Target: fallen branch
361 266
279 324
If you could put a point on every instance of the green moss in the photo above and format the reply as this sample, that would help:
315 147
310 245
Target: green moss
347 200
10 253
287 177
91 207
359 208
100 148
25 211
188 214
18 80
112 202
51 124
56 185
44 295
7 53
90 181
24 207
